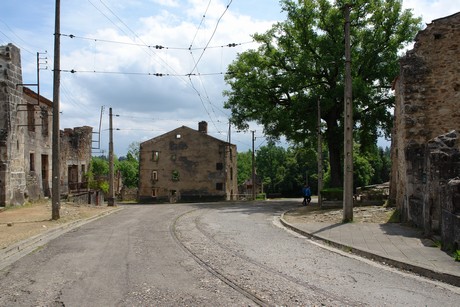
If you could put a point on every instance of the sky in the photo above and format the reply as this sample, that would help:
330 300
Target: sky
109 59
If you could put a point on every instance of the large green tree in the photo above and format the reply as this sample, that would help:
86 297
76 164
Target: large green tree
301 60
244 162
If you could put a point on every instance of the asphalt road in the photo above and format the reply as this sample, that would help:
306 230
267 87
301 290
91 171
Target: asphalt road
205 255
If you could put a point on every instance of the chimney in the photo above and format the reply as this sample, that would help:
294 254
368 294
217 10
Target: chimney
203 127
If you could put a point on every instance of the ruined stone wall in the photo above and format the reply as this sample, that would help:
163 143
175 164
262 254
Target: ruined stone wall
75 146
12 171
188 165
37 144
442 189
427 106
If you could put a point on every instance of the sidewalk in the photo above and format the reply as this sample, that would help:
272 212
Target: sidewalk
391 243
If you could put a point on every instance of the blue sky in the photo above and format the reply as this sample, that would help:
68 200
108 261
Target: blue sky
117 75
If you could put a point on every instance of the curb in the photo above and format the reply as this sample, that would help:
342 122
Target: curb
429 273
20 249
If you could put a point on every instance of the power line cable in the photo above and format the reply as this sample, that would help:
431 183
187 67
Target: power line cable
212 35
157 47
199 26
12 40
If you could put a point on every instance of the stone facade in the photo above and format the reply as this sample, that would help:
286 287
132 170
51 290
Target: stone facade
427 123
188 165
12 134
75 146
26 139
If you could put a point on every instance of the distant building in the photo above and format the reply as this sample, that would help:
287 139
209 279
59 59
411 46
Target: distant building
25 140
188 165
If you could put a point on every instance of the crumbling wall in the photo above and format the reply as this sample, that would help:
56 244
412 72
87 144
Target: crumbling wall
75 147
442 202
12 172
427 106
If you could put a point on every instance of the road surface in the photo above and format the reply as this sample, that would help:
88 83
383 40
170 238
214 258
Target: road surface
217 254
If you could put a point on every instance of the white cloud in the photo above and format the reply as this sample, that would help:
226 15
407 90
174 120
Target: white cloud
148 105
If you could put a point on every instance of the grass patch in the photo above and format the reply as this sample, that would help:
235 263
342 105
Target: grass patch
457 255
395 217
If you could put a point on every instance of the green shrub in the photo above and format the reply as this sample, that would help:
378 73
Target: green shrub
457 255
261 196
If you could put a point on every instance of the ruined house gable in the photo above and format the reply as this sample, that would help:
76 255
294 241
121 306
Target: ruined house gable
427 122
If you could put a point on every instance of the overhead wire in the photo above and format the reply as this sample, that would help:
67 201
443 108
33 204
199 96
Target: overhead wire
199 26
12 40
157 47
212 36
196 62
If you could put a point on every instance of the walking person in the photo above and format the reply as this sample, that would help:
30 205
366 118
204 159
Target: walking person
306 192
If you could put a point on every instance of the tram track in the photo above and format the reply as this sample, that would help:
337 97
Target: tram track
269 277
214 271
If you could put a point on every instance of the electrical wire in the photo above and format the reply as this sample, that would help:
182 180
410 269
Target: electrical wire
157 47
213 33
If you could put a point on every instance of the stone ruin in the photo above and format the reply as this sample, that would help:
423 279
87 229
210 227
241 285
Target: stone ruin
425 177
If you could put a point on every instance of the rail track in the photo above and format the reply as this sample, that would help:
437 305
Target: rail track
271 278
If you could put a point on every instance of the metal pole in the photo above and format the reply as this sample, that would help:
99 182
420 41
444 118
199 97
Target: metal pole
320 155
56 191
348 128
111 175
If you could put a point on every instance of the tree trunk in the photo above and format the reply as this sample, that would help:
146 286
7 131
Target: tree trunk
334 143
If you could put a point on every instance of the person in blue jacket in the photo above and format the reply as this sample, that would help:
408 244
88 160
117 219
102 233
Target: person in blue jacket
306 192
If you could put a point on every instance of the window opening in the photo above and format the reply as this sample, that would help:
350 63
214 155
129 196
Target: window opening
32 162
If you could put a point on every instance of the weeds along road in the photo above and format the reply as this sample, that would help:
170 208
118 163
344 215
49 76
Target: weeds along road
215 254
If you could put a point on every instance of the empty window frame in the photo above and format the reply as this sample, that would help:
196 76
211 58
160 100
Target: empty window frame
155 156
32 162
219 166
219 186
155 175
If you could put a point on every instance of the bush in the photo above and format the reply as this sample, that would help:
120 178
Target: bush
261 196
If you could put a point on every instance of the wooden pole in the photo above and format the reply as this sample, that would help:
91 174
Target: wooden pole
348 127
56 181
111 198
253 169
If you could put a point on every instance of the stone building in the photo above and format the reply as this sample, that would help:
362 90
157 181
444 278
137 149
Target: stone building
75 146
188 165
26 137
425 183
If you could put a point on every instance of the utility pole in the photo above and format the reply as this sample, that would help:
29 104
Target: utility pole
348 127
320 154
253 169
229 132
110 200
56 181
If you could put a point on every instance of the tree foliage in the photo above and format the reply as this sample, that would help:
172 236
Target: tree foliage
127 166
285 170
244 161
301 60
129 169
